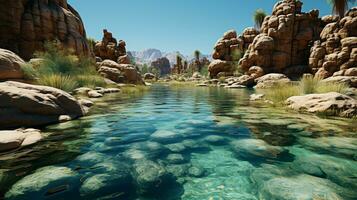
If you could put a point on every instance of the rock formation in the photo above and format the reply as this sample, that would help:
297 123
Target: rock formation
337 48
284 41
24 105
25 25
120 73
228 50
10 140
110 49
332 103
10 65
162 64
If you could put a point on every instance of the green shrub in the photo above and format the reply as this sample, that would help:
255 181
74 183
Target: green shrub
29 72
59 64
90 81
325 87
63 82
280 92
308 84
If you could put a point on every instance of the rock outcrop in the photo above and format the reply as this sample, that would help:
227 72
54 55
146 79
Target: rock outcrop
283 44
14 139
110 48
332 103
26 25
162 64
25 105
120 73
10 65
337 48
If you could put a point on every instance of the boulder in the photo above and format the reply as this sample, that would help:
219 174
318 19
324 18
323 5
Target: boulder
218 66
25 105
284 39
332 103
149 76
10 140
348 80
300 187
256 148
44 182
120 73
269 80
10 65
149 176
25 25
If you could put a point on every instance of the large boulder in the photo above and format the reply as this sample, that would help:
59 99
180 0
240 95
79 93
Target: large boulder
337 48
284 39
300 187
26 24
14 139
348 80
120 73
332 103
31 105
10 65
44 182
219 66
270 80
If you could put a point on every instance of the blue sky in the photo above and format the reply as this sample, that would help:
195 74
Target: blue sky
170 25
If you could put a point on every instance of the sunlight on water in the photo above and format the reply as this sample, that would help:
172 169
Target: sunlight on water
187 143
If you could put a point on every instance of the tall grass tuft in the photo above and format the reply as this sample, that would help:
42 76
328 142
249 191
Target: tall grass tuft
307 85
60 68
63 82
280 92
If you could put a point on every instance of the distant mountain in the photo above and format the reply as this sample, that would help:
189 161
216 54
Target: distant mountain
147 56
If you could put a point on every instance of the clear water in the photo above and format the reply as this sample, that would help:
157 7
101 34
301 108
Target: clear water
187 143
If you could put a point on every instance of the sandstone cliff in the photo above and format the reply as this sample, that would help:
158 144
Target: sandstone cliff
25 25
284 43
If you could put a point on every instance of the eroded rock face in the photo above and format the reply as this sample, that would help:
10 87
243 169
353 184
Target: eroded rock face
120 73
110 48
10 65
284 40
163 64
14 139
25 105
332 103
337 48
27 24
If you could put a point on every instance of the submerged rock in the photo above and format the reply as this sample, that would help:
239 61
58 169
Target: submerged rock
149 176
215 140
165 136
175 159
301 187
42 182
331 103
256 148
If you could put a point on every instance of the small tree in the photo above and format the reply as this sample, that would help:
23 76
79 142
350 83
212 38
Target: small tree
197 54
258 18
339 7
178 63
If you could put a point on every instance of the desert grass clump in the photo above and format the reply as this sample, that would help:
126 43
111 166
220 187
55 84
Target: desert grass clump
282 91
63 82
307 85
311 85
59 65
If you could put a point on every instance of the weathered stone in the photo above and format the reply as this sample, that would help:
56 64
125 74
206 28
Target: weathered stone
10 65
269 80
10 140
332 103
218 66
32 105
25 25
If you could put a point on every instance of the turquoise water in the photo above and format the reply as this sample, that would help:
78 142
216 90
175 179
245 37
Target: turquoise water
187 143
